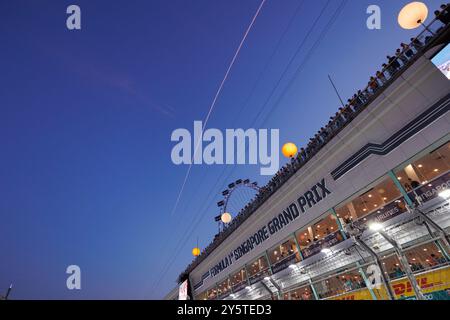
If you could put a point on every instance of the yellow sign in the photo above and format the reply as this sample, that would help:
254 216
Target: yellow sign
429 282
437 280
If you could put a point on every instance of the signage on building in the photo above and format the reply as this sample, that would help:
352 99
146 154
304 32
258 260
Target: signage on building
283 264
431 190
384 214
303 203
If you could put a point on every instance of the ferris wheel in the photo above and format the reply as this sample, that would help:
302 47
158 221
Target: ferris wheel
235 198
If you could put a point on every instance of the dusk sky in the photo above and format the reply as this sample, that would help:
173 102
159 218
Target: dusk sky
86 176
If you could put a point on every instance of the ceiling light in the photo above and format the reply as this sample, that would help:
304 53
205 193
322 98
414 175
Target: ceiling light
445 194
375 226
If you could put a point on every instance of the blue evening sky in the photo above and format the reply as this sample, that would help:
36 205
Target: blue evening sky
86 176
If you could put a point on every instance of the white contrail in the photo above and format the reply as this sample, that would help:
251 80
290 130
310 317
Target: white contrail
213 104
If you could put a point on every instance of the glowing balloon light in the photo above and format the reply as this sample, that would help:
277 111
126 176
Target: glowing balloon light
413 15
226 218
196 252
289 150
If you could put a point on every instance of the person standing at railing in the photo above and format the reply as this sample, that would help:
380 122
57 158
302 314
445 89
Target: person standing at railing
443 16
401 56
346 113
445 8
414 184
417 44
373 84
382 77
358 100
324 134
393 63
351 103
388 69
407 50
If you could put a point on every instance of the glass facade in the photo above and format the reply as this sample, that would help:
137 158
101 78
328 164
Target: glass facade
303 293
422 179
427 176
427 168
224 288
323 234
371 201
425 257
283 255
239 279
393 268
335 285
258 269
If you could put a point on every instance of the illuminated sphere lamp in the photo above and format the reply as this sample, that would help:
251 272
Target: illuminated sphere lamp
289 150
226 217
196 252
413 15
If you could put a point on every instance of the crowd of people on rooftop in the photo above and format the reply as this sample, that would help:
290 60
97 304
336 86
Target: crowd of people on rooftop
361 99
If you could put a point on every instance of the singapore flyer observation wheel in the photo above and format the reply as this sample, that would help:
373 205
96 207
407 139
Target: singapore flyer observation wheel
235 198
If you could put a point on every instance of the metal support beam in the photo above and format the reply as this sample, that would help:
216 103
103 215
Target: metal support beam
436 242
247 274
341 227
442 233
274 283
414 210
366 281
267 288
386 283
401 256
401 188
316 296
298 246
268 261
444 252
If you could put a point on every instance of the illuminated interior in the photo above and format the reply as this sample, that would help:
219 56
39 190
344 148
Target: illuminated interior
283 251
304 293
257 266
317 231
238 277
425 169
368 202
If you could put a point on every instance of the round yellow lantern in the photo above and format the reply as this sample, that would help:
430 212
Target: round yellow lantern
289 150
226 217
413 15
196 252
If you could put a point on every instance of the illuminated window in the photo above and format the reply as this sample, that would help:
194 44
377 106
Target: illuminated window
370 201
284 251
322 230
202 296
340 284
224 287
424 257
258 266
305 237
212 294
424 170
392 267
304 293
238 278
